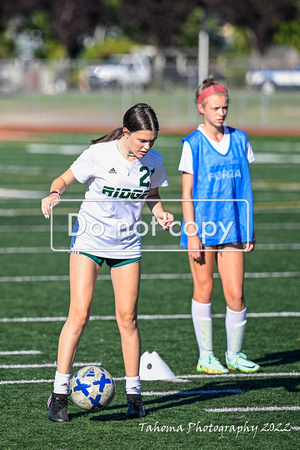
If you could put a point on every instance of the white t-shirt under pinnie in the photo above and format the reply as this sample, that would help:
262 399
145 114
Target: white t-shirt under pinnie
186 161
106 225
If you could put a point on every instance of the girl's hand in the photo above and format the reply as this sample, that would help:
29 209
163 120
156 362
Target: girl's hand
46 204
249 248
195 244
165 219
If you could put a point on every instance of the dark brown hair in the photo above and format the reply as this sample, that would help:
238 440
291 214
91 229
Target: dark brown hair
139 117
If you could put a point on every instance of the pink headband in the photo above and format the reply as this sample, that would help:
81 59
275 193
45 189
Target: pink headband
211 90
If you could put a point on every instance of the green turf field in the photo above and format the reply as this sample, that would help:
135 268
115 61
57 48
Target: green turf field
259 411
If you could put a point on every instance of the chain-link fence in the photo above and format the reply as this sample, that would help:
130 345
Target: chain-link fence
76 92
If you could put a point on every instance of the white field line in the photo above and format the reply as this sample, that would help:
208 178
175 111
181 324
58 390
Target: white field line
20 352
27 250
249 409
53 149
32 228
24 382
278 210
143 317
20 212
264 247
272 158
42 366
147 276
194 392
244 375
21 194
285 246
64 228
277 226
186 393
179 379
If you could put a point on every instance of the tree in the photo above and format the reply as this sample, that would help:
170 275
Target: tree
262 17
155 22
68 19
72 18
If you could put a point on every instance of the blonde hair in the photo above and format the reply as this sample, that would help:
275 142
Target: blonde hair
208 82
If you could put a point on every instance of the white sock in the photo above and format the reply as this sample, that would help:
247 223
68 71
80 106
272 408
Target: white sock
235 324
133 385
61 383
201 314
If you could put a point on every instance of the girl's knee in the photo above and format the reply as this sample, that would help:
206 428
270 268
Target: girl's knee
127 322
79 321
203 291
235 300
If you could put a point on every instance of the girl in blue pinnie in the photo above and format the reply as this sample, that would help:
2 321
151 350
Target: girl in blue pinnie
218 224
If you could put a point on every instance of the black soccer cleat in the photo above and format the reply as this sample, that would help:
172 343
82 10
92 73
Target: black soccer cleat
57 407
135 406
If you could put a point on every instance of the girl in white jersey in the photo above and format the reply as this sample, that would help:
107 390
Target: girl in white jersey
214 166
121 168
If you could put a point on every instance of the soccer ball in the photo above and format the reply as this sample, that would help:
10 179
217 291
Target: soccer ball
92 388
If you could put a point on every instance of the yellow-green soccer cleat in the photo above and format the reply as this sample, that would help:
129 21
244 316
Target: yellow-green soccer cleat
241 363
210 364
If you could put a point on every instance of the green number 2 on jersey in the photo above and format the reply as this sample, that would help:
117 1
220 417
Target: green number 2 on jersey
145 179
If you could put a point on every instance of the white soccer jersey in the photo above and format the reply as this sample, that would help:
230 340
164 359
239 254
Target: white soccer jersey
106 224
186 161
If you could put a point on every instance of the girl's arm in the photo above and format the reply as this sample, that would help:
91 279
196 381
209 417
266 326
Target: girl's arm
194 242
165 219
59 185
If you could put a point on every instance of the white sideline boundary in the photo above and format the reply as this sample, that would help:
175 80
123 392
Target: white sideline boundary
145 317
259 409
145 276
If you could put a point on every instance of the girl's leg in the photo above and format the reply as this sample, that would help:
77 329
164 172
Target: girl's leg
83 277
231 267
202 273
126 284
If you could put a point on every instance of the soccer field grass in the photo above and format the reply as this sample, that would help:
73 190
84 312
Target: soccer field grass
193 411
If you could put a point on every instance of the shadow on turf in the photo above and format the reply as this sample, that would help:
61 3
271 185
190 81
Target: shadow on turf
164 402
184 398
290 384
279 359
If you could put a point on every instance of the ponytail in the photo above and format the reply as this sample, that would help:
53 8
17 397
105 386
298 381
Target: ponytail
137 118
112 136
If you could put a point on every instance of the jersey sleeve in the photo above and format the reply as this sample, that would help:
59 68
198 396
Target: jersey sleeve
83 166
249 153
159 177
186 161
